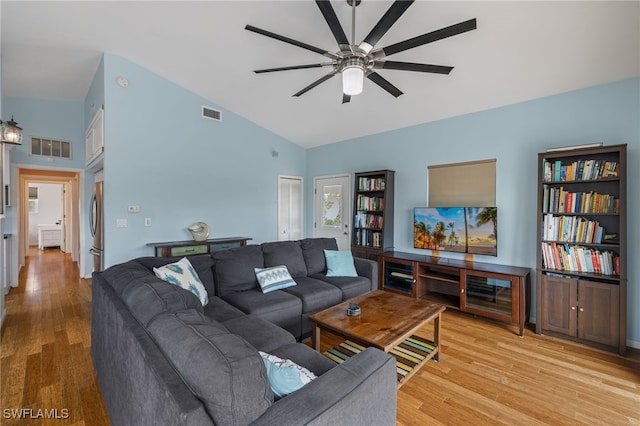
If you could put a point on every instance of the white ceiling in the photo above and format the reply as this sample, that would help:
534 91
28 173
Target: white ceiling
520 51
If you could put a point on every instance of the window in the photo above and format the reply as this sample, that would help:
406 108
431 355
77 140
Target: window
33 199
50 148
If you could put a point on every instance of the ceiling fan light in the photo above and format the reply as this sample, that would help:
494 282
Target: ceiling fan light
352 80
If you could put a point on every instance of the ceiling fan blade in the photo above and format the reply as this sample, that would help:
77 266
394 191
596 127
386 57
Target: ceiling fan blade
332 20
346 98
390 17
291 41
315 83
411 66
294 67
449 31
380 81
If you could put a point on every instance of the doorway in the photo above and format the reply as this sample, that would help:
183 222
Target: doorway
332 209
69 182
289 208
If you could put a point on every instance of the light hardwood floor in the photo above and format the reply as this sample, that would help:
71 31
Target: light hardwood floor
487 374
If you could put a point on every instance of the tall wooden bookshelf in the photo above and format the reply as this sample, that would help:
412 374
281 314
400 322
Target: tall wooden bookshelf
582 246
372 214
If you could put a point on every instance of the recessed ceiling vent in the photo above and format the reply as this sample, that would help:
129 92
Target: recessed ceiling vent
211 113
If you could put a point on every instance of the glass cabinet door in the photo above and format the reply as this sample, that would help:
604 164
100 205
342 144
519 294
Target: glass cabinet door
489 294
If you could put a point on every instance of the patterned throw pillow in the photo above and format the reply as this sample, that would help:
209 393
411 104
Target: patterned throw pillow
285 376
340 263
182 274
274 278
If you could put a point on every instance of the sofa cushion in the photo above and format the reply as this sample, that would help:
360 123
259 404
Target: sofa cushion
315 294
220 310
274 278
233 269
149 297
278 307
121 277
236 391
285 376
182 274
287 253
340 263
313 252
350 286
262 334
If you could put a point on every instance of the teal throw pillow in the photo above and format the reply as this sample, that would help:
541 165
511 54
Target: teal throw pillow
182 274
340 263
274 278
285 376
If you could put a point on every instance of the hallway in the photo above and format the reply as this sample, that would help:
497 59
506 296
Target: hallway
46 369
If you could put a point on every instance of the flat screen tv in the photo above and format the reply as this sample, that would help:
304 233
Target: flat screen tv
471 230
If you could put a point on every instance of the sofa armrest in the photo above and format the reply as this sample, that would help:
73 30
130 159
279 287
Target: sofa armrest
362 390
367 268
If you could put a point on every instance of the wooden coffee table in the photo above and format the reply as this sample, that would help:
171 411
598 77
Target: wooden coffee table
387 321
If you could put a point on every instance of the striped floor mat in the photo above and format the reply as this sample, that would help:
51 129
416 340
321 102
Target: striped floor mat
411 352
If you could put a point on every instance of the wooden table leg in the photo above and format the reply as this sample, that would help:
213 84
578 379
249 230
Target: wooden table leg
436 336
316 338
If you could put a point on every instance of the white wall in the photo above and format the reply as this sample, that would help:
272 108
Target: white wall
50 208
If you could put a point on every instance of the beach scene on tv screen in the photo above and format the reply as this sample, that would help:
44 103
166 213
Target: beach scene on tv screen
457 229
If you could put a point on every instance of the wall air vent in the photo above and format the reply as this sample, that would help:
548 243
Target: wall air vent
211 113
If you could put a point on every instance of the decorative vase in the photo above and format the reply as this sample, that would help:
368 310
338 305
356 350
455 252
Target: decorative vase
199 231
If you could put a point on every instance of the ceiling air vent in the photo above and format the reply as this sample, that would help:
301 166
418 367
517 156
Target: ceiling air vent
211 113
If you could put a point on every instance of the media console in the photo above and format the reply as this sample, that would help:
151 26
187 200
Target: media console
494 291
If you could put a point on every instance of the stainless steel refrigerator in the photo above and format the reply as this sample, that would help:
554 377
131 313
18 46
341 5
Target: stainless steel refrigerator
95 223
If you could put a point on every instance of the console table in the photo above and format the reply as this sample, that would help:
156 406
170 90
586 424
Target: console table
49 236
495 291
191 247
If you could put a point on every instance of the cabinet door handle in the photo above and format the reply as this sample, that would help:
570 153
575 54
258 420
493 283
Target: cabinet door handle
581 309
573 308
462 290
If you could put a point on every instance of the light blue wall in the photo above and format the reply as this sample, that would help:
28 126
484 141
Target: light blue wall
180 168
55 119
513 135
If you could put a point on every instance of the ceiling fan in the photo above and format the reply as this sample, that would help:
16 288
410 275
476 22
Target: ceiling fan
355 62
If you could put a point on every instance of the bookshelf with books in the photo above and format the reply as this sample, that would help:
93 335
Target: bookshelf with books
581 284
373 213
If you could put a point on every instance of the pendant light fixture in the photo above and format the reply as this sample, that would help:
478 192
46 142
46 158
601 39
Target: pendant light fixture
10 132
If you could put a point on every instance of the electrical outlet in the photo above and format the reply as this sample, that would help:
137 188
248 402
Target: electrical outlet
121 223
147 221
133 209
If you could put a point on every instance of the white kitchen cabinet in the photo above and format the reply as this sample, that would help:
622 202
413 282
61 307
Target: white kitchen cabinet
94 140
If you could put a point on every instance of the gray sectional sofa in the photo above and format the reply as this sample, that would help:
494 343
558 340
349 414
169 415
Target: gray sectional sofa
161 358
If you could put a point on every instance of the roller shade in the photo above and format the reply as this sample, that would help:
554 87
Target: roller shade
470 184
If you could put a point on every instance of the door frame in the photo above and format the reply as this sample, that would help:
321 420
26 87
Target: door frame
347 209
69 179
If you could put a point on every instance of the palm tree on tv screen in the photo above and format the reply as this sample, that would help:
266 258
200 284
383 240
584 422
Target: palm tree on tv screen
486 215
452 233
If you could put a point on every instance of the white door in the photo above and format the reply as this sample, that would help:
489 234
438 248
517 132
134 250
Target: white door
289 208
332 209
